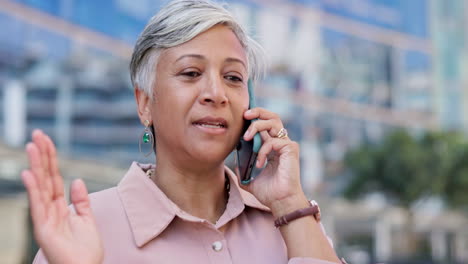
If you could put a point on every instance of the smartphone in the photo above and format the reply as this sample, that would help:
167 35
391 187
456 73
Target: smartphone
247 151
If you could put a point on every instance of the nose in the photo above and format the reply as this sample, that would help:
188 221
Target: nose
214 92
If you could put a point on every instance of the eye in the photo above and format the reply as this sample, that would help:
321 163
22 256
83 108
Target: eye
233 78
191 74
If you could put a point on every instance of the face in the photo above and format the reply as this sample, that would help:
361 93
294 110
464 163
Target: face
200 95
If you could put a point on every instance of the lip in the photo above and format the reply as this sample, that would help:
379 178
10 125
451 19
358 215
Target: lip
211 125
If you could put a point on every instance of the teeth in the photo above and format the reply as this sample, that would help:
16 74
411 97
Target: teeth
212 125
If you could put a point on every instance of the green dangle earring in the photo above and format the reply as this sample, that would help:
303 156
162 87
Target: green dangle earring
147 138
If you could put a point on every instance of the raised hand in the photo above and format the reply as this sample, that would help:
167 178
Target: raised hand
278 186
64 236
280 179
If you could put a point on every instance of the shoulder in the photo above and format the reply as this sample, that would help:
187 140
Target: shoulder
108 209
103 196
111 218
106 203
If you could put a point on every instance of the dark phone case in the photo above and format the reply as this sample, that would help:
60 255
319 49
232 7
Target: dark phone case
247 151
246 158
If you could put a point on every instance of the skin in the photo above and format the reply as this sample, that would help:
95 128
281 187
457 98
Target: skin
61 233
206 76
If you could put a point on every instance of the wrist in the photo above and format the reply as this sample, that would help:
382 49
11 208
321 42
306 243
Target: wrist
289 204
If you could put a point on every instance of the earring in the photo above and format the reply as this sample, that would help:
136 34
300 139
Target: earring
146 138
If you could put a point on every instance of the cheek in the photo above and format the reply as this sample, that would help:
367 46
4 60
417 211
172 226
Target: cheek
173 97
242 100
240 105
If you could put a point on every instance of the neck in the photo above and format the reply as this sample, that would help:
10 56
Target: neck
199 191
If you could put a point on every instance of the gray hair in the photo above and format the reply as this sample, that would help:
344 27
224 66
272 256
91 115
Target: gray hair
179 22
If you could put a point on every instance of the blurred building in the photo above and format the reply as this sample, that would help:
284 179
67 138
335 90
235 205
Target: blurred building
343 72
450 41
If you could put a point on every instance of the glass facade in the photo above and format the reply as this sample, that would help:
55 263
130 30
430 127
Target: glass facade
335 85
450 42
342 73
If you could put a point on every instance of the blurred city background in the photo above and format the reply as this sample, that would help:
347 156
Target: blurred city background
375 92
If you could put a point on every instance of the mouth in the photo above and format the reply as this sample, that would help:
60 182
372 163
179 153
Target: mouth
211 123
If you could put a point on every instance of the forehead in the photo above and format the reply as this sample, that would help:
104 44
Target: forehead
219 41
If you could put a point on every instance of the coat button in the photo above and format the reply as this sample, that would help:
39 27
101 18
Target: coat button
217 246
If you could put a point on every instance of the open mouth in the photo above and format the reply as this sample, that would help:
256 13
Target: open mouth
210 125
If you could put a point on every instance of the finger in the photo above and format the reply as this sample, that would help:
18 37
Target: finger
271 126
36 205
265 136
39 140
266 148
79 198
38 171
260 113
57 180
37 137
274 144
58 192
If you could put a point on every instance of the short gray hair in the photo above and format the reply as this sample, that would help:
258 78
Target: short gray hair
178 22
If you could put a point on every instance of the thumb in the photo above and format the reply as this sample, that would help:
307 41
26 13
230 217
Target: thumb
79 198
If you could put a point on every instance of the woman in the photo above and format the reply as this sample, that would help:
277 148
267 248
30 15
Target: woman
190 69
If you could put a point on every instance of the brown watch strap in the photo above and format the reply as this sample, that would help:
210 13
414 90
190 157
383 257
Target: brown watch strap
313 210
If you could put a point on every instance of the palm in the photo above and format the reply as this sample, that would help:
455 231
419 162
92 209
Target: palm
279 179
64 236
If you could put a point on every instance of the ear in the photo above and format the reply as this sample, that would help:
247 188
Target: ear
143 105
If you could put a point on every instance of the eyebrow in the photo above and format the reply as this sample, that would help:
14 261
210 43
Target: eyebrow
196 56
236 60
201 57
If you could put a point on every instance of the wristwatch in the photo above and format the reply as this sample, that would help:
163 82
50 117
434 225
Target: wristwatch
313 210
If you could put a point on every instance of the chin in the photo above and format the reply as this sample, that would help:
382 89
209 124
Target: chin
211 153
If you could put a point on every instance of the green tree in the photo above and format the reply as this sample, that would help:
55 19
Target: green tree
455 188
407 169
394 167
